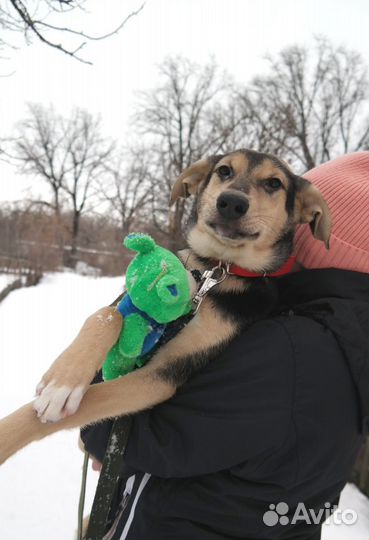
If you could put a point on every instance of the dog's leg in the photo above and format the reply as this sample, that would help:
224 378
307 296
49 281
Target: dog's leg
128 394
134 392
70 375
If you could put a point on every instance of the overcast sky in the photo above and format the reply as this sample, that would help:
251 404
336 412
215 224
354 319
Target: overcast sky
237 33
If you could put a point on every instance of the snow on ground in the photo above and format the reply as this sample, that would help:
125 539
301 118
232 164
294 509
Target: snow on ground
39 486
351 500
6 279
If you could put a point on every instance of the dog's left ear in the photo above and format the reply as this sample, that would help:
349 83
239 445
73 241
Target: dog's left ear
314 210
190 179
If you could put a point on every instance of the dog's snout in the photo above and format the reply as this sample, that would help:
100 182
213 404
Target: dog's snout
231 206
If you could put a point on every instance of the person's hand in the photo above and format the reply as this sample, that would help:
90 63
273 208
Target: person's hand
96 465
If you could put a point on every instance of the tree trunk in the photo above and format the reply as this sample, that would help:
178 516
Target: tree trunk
71 255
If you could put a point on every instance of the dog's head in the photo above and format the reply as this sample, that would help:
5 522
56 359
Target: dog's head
246 209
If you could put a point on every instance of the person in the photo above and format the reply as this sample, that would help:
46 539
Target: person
277 420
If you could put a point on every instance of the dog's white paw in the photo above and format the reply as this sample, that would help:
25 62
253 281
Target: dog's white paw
54 403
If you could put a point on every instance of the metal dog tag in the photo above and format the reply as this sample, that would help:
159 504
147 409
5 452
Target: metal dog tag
210 279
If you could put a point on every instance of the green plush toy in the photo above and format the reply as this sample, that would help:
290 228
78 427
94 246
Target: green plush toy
158 292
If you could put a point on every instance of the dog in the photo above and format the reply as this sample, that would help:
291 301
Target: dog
246 207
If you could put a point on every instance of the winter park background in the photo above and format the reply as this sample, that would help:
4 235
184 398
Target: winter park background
88 152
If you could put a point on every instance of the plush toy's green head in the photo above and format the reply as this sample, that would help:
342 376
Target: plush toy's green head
156 280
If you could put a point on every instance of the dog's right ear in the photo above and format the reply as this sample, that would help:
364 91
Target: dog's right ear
314 210
190 179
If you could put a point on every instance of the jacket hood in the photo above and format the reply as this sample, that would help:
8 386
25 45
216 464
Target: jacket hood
339 300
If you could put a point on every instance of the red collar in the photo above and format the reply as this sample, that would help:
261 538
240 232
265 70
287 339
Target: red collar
242 272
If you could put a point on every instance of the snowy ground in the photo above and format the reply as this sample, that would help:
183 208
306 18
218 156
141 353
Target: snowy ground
6 279
39 487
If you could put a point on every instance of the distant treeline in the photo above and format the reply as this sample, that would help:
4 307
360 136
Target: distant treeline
309 106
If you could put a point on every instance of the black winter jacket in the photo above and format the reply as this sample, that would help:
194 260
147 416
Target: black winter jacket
278 417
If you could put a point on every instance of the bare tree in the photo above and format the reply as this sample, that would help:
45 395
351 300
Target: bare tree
181 121
42 20
309 107
128 189
67 155
35 152
312 105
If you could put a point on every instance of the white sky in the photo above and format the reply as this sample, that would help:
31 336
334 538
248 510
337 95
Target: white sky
237 33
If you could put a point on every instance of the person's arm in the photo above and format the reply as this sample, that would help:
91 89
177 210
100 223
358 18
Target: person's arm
238 407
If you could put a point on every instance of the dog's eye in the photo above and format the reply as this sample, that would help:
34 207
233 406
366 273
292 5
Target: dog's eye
272 184
224 172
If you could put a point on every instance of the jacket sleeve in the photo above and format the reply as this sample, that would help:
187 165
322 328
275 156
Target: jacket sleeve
96 436
236 408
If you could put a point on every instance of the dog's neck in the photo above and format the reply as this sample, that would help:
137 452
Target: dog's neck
193 261
238 279
233 284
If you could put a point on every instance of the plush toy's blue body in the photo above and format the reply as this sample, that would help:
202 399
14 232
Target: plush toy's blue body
126 308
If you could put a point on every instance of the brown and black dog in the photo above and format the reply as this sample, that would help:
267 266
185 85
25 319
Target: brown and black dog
247 205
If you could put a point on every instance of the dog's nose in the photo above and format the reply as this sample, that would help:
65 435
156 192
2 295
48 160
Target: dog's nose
231 206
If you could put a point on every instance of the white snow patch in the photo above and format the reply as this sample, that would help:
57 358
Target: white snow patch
351 499
112 448
7 279
85 269
39 486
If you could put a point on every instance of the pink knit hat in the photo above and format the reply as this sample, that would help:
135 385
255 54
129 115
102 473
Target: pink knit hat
344 183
